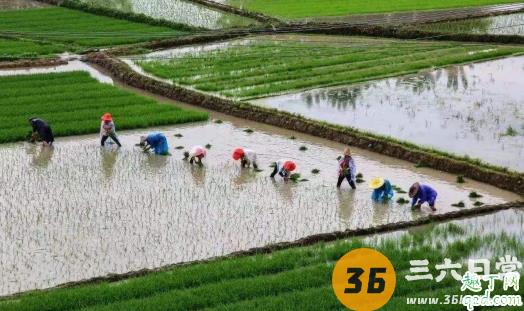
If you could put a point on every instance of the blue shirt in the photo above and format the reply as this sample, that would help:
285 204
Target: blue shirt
158 142
384 193
424 194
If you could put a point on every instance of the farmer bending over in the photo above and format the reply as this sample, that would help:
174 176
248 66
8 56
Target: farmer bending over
196 155
283 168
43 130
155 141
382 189
421 194
246 157
107 129
347 169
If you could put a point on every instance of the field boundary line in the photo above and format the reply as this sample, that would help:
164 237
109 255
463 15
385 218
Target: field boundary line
238 11
32 63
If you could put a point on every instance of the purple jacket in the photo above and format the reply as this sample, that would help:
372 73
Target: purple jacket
425 194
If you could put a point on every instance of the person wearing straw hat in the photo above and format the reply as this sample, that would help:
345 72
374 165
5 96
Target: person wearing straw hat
156 141
107 130
382 189
196 155
41 130
347 169
283 168
421 194
247 157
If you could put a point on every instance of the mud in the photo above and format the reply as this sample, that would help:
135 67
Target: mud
122 210
466 110
32 63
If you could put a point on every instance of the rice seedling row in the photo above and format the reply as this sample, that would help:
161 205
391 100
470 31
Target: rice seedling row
259 73
76 29
15 48
73 103
297 277
296 9
512 24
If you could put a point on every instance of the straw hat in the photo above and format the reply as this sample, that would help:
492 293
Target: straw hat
238 153
107 117
198 151
376 183
289 166
413 190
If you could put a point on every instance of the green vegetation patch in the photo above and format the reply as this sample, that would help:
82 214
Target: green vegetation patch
12 49
293 279
512 24
73 102
271 66
78 30
295 9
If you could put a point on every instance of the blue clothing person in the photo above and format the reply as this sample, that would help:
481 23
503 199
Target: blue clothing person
384 192
158 142
421 194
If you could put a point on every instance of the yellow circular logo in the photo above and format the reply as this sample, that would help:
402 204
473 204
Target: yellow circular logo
364 279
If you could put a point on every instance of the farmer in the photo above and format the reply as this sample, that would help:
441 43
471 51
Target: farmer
382 189
43 130
347 169
421 194
156 141
107 129
283 168
196 155
246 157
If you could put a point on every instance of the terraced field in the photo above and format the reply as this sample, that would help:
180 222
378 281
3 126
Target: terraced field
512 24
298 278
77 30
295 9
73 103
18 48
272 65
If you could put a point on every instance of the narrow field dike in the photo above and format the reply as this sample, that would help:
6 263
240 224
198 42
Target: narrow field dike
73 102
267 65
77 30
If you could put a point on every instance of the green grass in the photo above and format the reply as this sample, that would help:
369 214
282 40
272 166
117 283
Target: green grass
73 102
76 30
271 67
11 49
293 279
294 9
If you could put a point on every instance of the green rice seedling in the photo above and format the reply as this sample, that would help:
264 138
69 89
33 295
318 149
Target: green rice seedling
186 155
218 121
315 171
292 137
295 177
359 180
249 131
302 148
474 195
178 135
478 203
359 175
179 147
510 131
460 179
208 146
402 201
459 204
339 157
398 189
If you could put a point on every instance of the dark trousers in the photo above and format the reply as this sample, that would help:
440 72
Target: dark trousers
113 137
275 170
348 177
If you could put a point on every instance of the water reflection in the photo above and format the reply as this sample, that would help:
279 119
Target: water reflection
199 175
108 158
467 110
178 11
41 155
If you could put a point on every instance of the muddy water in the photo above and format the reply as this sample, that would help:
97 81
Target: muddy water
512 24
78 211
19 4
475 110
74 65
178 11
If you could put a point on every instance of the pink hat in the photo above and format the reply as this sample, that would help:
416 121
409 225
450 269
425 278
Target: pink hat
289 166
238 153
107 117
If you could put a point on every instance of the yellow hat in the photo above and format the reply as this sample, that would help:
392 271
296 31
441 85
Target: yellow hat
376 183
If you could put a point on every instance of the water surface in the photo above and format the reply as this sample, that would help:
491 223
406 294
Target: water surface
511 24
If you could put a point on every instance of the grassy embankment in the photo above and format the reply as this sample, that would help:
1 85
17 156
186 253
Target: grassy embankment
56 29
293 279
296 9
270 67
73 103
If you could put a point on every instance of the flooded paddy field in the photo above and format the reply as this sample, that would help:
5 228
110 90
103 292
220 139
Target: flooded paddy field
265 65
179 11
512 24
474 110
78 211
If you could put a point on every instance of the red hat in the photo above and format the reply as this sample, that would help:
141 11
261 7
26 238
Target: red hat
107 117
238 153
289 166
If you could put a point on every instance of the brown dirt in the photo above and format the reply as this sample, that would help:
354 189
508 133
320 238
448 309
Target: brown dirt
32 63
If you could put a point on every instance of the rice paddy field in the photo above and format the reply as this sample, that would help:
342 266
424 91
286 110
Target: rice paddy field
73 30
472 110
299 278
73 102
297 9
12 49
179 11
511 24
268 65
122 210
